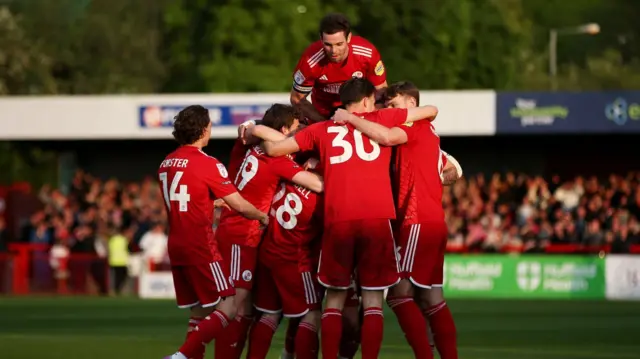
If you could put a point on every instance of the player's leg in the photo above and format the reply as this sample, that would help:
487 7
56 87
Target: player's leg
377 271
435 307
268 303
242 264
334 273
214 309
351 315
290 338
412 246
301 298
350 341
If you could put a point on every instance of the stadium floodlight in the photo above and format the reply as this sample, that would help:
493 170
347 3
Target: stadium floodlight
588 29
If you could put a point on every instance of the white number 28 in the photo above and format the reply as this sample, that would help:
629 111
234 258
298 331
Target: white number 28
286 208
339 141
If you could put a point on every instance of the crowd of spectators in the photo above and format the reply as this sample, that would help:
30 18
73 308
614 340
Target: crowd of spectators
483 214
530 213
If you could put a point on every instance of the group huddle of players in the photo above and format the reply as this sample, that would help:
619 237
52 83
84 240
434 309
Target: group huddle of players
311 213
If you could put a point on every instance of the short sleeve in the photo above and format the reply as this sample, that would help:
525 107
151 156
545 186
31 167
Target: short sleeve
410 129
218 179
303 78
284 167
377 73
391 117
308 138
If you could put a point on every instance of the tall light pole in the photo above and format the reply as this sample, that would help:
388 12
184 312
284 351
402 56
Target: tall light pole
589 29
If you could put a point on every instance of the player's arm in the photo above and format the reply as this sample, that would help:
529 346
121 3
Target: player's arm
245 208
303 81
261 132
452 170
309 180
280 148
422 113
375 131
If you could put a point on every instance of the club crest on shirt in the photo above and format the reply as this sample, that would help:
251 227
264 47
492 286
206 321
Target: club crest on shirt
246 275
299 78
222 170
357 74
379 70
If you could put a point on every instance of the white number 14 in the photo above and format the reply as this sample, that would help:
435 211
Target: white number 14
171 194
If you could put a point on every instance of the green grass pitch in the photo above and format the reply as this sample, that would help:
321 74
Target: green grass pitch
101 328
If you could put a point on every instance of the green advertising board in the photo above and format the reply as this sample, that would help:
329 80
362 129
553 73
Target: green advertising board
524 276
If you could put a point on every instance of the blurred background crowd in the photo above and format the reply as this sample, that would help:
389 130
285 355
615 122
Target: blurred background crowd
484 213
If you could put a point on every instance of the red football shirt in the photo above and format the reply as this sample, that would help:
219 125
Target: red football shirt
293 226
418 175
315 73
190 182
257 181
236 158
357 184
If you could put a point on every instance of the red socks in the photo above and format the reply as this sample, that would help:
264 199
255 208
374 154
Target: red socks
412 324
193 323
207 330
306 343
372 332
261 336
231 343
444 330
331 333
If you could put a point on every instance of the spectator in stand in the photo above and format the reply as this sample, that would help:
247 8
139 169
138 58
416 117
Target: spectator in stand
119 258
154 245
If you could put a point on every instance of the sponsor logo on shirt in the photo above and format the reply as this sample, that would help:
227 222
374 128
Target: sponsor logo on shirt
379 70
332 88
299 78
357 74
222 170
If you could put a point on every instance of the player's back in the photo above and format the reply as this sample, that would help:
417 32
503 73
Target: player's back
190 182
256 179
293 225
356 174
418 167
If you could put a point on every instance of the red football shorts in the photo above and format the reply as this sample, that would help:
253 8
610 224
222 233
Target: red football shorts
203 284
421 250
287 289
366 246
242 263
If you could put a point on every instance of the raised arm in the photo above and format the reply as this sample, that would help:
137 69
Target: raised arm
377 132
422 113
258 132
281 148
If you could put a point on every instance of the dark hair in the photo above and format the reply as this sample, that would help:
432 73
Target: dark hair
354 90
190 124
334 23
402 88
279 115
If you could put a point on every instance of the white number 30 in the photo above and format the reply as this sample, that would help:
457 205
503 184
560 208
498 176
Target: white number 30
171 194
339 141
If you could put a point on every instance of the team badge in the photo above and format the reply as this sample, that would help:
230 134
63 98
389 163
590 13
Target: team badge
222 170
299 78
357 74
246 275
379 70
